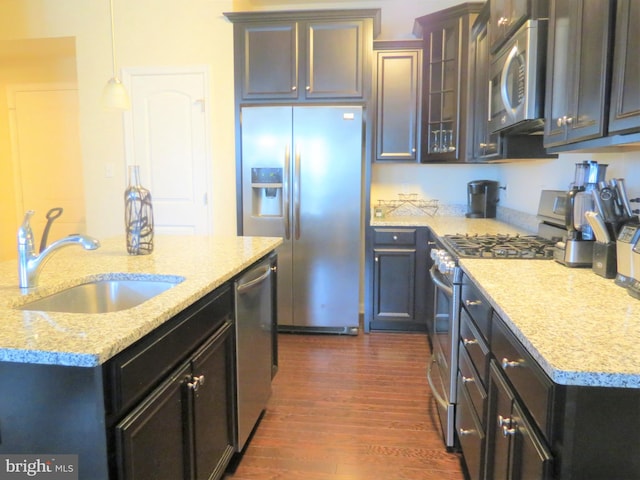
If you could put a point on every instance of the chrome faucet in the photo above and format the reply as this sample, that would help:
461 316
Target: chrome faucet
30 263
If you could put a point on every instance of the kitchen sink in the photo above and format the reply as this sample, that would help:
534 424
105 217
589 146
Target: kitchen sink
103 296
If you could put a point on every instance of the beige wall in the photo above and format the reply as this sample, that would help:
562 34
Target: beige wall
166 33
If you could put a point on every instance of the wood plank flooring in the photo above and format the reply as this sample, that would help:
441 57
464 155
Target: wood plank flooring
349 408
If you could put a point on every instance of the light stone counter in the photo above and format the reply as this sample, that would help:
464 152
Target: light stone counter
88 340
583 329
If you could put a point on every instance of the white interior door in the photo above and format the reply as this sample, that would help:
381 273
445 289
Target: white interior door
45 135
166 133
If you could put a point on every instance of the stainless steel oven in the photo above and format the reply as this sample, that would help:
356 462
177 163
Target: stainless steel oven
447 275
443 366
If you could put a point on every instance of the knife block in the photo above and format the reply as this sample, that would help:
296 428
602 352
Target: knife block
604 259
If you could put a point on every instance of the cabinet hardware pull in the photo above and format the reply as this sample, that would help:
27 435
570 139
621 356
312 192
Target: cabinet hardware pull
462 432
503 421
395 238
468 379
196 382
568 120
294 88
506 363
472 303
466 341
508 432
308 88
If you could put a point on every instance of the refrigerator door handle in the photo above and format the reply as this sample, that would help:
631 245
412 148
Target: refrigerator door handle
285 193
296 194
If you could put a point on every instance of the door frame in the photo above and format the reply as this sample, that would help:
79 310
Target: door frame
128 74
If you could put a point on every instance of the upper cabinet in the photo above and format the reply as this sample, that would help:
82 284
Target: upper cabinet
508 15
446 122
303 56
624 113
577 70
397 80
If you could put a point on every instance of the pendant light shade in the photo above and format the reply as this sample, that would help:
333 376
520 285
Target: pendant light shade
114 95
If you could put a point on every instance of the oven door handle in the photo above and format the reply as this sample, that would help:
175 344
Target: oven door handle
437 278
436 395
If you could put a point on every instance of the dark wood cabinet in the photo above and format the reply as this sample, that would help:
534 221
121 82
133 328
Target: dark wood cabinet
399 279
397 83
526 426
303 56
156 426
579 46
446 121
508 15
624 110
184 428
515 450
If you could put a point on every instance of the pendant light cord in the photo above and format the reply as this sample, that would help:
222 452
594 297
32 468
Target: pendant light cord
113 40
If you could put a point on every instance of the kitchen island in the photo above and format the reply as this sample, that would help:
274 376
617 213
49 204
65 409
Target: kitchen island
92 384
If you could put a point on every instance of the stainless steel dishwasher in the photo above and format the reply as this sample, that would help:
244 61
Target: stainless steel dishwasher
255 327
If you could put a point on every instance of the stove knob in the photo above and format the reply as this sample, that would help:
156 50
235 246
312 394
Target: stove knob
450 265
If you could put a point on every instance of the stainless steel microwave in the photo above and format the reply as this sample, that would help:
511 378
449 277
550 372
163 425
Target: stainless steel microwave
517 81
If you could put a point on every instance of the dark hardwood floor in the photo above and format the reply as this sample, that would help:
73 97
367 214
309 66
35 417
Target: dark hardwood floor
349 408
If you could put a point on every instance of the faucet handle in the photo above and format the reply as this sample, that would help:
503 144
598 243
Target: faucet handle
25 233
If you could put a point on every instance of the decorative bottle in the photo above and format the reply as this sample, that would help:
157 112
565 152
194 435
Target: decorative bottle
138 215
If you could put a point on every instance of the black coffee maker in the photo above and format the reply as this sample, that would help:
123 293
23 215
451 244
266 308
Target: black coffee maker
482 198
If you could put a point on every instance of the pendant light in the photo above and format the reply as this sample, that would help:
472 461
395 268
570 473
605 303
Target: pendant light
114 95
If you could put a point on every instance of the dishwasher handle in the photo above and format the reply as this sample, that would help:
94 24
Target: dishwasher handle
251 284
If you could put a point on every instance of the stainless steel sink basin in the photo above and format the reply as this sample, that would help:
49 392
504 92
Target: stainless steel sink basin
102 296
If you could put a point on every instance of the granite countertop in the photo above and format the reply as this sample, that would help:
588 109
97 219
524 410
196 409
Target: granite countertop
581 328
88 340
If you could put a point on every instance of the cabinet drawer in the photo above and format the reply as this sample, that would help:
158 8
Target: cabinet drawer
475 346
386 236
138 369
470 382
477 305
532 385
470 433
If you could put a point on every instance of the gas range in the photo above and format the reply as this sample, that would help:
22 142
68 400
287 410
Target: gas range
499 246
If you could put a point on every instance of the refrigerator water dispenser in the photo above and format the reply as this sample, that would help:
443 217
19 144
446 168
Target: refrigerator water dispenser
266 188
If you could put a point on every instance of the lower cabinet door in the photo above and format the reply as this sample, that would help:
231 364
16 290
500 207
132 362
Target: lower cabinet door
212 388
151 440
470 433
500 400
531 457
516 450
394 287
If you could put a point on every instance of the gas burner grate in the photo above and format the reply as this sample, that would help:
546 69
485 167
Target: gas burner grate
500 246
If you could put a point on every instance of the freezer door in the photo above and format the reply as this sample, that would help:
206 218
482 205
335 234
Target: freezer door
266 208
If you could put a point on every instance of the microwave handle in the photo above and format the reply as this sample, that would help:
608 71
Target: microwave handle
503 78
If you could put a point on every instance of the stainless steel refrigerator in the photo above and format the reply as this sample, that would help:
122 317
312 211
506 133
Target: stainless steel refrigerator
301 179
